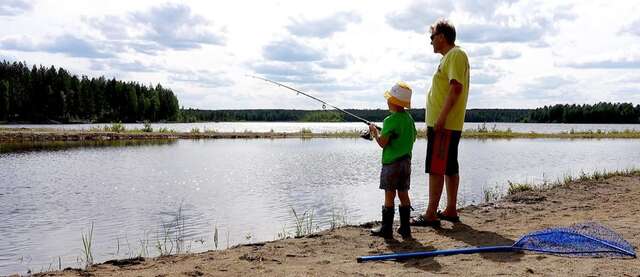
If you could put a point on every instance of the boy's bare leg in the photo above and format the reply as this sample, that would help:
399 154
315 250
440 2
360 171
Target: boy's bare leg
436 184
404 198
452 195
389 197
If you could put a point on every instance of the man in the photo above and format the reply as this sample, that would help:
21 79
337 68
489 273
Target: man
446 106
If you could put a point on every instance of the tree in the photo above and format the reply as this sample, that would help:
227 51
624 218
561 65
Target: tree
4 101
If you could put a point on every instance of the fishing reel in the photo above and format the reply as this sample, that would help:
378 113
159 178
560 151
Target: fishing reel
366 134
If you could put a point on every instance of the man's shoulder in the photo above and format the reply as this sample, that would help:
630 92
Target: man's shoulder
457 51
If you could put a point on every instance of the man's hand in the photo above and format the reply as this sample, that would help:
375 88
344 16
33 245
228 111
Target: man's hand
439 124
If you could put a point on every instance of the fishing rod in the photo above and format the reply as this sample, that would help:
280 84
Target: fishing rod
365 135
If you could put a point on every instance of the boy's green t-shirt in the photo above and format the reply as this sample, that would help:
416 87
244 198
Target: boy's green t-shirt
400 128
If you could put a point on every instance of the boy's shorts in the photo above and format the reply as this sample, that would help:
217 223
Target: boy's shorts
396 175
442 152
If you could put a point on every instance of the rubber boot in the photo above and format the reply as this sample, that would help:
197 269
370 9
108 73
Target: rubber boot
386 229
405 216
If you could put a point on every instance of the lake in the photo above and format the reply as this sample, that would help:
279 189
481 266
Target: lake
135 193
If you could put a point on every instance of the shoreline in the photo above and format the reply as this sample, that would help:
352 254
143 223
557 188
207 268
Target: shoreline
501 222
40 134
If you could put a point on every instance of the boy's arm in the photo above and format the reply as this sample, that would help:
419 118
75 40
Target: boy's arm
381 140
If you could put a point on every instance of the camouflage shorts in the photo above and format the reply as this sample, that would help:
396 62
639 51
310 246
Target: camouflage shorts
396 175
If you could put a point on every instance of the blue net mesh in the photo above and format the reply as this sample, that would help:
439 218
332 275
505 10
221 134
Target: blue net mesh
583 239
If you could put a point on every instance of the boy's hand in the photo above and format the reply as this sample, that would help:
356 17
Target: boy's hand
373 129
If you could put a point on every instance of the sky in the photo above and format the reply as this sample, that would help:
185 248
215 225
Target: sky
523 54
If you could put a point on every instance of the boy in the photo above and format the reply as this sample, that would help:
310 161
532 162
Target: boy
396 139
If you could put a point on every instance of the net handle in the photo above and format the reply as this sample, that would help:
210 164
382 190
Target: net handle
424 254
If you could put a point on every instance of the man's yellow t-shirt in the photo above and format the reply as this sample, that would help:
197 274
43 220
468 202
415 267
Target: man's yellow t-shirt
453 66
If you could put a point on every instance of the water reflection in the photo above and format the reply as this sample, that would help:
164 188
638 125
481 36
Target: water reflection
34 146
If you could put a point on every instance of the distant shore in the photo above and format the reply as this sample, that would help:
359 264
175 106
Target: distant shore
109 133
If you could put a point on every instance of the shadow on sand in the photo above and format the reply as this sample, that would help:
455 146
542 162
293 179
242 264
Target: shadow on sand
475 238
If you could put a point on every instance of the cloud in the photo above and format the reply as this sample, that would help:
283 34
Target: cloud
110 26
548 83
339 62
170 26
323 27
174 26
124 66
611 63
419 15
481 51
203 78
75 47
15 7
485 23
66 44
633 28
495 32
290 50
509 54
484 78
482 8
295 72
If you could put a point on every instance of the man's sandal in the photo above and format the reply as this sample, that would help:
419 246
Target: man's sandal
454 219
423 222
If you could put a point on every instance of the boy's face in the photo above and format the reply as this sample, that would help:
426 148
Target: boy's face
392 107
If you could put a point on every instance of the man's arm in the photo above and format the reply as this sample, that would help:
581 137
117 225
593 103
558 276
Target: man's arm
455 89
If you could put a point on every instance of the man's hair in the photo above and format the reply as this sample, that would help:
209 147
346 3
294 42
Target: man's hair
442 26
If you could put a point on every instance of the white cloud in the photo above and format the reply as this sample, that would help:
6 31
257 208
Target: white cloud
15 7
291 50
523 53
66 44
418 16
323 27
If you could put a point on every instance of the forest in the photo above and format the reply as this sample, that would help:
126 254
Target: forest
49 95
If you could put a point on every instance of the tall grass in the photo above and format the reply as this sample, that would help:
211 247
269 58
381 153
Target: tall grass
518 187
304 223
147 127
172 239
87 247
215 237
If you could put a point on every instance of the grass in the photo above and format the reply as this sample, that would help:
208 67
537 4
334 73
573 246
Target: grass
304 223
480 132
516 188
87 244
493 194
172 239
215 237
147 127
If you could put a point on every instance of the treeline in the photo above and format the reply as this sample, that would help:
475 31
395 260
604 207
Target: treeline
473 115
602 112
40 94
598 113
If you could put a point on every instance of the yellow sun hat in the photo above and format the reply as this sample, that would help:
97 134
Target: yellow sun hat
400 94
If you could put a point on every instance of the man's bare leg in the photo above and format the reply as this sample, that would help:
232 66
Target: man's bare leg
452 195
436 184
